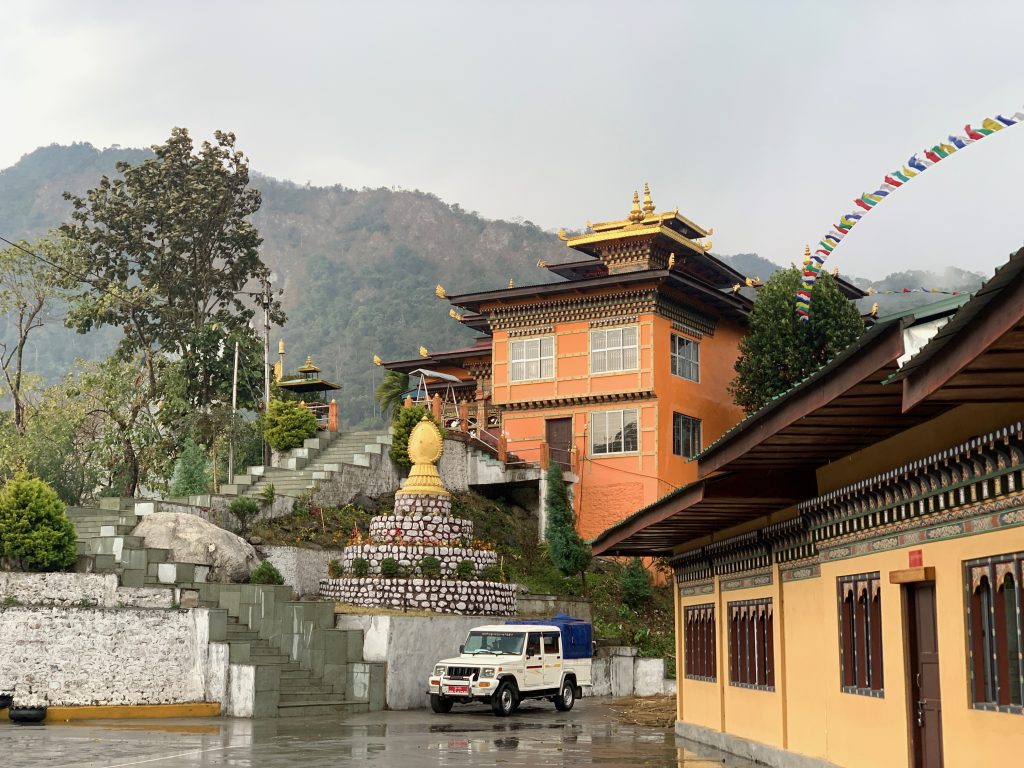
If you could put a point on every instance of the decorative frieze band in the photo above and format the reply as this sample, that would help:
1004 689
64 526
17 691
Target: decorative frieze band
562 402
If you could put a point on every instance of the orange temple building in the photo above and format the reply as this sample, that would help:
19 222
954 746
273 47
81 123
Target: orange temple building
619 372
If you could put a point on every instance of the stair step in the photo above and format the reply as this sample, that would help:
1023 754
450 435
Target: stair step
312 708
317 698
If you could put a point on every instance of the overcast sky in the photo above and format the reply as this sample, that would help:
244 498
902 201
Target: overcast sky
762 119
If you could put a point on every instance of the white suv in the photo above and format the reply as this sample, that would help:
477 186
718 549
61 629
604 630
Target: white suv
503 664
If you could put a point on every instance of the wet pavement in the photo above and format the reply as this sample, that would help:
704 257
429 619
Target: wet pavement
536 735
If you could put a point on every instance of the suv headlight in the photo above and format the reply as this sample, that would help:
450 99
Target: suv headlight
487 672
439 669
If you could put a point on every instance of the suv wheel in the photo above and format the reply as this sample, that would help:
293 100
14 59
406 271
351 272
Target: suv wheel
504 699
440 704
567 697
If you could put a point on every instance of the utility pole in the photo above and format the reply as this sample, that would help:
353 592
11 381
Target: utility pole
265 299
234 408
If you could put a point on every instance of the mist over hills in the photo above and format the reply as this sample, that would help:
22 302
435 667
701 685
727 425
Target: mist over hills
358 267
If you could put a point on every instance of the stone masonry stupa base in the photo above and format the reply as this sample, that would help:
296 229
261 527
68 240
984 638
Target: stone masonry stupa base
422 526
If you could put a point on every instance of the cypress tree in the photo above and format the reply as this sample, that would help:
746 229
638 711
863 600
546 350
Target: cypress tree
568 552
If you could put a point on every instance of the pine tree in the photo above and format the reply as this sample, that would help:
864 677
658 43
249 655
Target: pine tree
191 471
782 350
35 532
568 552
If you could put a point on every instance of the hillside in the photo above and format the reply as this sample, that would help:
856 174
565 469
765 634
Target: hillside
358 267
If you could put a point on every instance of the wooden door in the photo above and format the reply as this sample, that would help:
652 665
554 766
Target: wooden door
923 657
558 433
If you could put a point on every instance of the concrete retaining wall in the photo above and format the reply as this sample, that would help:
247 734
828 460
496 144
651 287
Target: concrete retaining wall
539 606
78 590
57 656
301 568
469 598
380 477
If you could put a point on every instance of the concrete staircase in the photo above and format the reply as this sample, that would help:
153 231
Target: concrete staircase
303 468
300 664
105 545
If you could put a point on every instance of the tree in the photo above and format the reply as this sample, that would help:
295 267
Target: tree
391 392
568 552
167 251
781 350
191 471
27 285
35 532
635 584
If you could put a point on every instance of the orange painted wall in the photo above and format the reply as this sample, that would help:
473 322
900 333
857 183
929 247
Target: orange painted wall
612 487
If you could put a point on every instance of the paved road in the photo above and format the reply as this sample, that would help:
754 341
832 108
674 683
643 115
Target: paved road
537 735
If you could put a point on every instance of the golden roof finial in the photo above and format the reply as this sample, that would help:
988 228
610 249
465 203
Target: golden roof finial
377 360
835 272
561 235
635 214
874 309
648 203
511 284
807 254
454 315
280 346
440 292
425 449
541 263
424 352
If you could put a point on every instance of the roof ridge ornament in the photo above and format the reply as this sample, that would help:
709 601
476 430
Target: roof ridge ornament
635 214
648 202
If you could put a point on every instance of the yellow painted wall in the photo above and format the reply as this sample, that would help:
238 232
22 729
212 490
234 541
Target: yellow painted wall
802 617
701 701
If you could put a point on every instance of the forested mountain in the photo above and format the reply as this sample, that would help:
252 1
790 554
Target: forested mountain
358 267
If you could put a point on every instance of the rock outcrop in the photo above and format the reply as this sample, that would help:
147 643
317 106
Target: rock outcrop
194 540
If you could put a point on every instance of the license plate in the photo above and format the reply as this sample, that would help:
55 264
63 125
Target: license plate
463 689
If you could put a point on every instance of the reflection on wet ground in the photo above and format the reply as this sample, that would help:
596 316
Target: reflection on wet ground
534 736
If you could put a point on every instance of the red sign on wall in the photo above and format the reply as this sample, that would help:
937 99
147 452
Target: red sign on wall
916 558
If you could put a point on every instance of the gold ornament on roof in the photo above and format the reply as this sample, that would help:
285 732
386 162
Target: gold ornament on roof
454 315
425 449
510 283
561 235
541 263
835 272
870 292
648 202
671 260
807 254
439 292
635 214
377 360
424 352
874 309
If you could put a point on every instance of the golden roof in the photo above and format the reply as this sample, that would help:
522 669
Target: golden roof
309 367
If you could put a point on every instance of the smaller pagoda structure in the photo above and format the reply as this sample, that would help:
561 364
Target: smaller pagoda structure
422 537
312 387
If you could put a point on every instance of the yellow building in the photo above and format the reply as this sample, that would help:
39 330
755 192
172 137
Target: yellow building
849 562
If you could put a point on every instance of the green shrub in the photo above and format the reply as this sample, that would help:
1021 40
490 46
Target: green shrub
266 573
491 573
635 584
567 550
191 471
430 567
335 570
360 567
465 570
405 419
245 511
389 568
288 424
35 532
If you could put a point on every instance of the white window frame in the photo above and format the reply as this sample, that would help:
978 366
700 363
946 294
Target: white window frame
685 357
677 437
607 344
539 361
605 425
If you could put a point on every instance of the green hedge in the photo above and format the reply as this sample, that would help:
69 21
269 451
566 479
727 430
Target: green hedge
35 532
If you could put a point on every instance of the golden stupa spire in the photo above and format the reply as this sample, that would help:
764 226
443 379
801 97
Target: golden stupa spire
648 202
635 214
425 449
807 254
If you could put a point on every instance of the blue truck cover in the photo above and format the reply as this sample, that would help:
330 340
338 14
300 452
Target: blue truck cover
577 635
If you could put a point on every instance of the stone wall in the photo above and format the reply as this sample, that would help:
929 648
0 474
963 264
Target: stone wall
79 590
459 597
301 568
380 477
409 556
93 656
441 528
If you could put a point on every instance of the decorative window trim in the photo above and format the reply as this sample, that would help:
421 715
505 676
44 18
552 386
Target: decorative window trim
623 348
540 358
700 647
859 604
605 416
995 632
752 644
684 358
677 438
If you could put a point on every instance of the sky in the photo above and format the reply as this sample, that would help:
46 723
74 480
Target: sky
764 120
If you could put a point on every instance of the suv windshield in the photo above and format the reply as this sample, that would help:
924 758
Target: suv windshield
494 642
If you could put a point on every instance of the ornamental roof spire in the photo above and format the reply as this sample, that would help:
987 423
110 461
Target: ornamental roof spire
648 202
635 214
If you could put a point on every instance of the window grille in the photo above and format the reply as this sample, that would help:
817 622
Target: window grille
700 662
752 644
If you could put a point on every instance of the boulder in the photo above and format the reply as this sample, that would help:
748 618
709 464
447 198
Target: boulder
194 540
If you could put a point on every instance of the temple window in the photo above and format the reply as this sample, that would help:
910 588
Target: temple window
685 435
860 634
614 432
752 644
532 359
995 633
700 662
685 358
614 349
